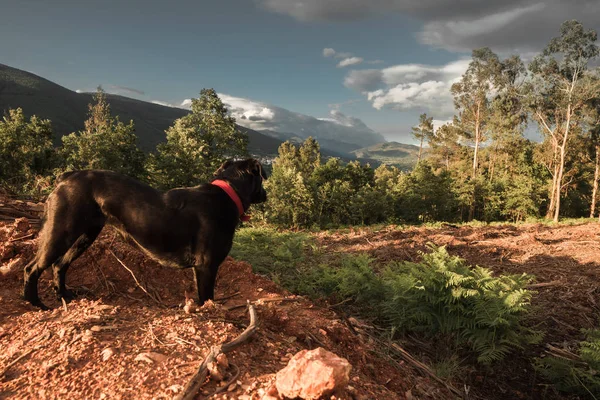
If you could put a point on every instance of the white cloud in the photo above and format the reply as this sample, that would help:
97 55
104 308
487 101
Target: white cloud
363 80
438 123
79 91
347 58
186 103
328 52
350 61
410 86
163 103
265 117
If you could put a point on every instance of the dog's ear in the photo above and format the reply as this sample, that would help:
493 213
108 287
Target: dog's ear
256 168
223 167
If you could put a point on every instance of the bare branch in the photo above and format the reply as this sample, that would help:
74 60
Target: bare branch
193 386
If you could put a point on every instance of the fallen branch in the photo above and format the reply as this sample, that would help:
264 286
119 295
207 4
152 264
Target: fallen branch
22 237
424 369
193 386
561 353
227 297
22 356
543 284
265 300
135 279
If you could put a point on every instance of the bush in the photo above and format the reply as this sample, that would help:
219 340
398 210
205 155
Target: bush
105 143
443 295
579 374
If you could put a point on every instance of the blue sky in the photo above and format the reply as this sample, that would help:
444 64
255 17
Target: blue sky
271 52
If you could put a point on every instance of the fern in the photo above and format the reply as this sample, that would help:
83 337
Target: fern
444 295
576 376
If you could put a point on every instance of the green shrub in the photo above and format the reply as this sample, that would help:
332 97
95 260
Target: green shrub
582 375
443 295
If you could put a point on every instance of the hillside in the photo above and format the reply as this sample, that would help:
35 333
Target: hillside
402 155
131 337
67 110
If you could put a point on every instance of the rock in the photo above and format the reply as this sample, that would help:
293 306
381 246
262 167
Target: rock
222 361
216 373
190 306
107 353
12 267
312 374
151 357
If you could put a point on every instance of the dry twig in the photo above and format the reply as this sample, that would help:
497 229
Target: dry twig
21 238
544 284
264 300
135 279
16 360
424 369
193 386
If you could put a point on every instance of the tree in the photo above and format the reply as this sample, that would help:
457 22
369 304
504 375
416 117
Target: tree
291 198
444 144
423 132
105 142
309 156
26 151
508 114
472 97
593 120
559 89
197 144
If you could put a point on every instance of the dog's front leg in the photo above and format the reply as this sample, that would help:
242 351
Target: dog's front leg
204 283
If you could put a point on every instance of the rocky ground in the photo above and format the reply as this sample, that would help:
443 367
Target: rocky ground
131 335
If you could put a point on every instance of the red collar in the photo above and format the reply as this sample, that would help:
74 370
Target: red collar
234 196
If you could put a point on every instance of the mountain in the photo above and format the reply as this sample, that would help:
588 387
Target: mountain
337 132
340 136
404 156
68 109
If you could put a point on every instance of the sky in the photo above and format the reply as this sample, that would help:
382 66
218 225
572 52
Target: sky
373 64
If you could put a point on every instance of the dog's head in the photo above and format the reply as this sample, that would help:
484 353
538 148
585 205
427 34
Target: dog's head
245 174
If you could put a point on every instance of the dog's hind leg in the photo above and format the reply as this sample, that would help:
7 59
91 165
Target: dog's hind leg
60 268
51 249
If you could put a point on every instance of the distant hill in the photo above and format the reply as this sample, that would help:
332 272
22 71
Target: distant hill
68 110
404 156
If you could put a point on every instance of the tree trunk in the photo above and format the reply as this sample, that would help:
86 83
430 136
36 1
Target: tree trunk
550 211
492 162
595 190
561 168
559 177
475 154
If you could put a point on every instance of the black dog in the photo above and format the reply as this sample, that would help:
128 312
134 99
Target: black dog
182 228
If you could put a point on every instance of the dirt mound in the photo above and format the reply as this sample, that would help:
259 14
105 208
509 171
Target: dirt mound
122 341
